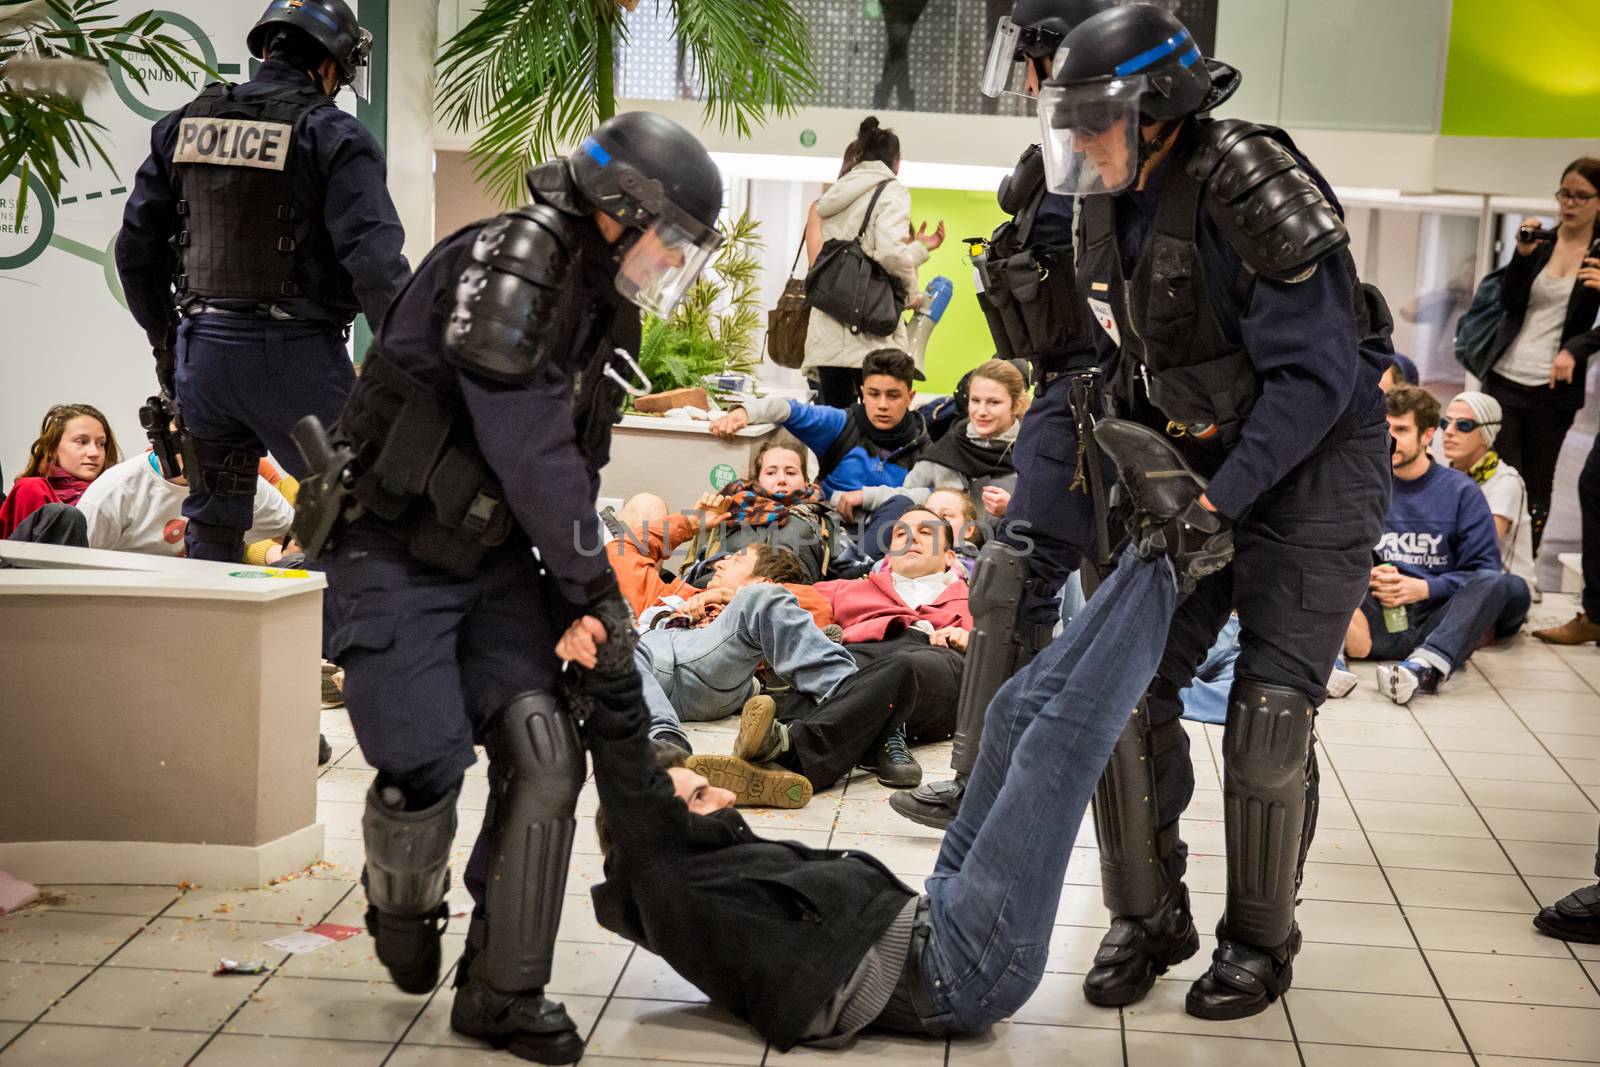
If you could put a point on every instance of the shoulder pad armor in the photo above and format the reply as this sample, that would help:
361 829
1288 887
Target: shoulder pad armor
1268 208
507 301
1019 188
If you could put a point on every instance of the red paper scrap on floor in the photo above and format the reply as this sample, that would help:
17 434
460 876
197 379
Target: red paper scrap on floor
317 937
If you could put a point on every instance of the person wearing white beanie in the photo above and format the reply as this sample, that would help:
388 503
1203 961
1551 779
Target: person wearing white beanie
1468 429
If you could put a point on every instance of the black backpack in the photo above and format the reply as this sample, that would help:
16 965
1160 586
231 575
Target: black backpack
1478 330
854 288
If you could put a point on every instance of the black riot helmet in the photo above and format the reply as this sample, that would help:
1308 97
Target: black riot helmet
1033 33
1131 65
652 176
331 24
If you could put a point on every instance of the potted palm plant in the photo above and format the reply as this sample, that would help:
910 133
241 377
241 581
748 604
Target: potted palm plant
53 54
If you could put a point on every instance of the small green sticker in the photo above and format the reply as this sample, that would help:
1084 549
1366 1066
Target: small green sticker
873 9
808 138
248 574
722 474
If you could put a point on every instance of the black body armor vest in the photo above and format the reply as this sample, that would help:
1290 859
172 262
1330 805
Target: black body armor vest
250 203
416 464
1174 354
1029 297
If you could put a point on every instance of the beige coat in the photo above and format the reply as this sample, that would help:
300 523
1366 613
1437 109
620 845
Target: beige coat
842 208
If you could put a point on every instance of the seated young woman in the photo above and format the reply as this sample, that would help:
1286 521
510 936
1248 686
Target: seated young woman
974 455
74 445
779 505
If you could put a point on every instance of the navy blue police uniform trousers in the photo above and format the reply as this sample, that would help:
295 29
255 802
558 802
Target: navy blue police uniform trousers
243 383
431 658
1302 559
1045 510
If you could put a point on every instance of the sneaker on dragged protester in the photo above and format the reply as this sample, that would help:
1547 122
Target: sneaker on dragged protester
894 764
332 685
1402 681
1342 681
753 786
1579 630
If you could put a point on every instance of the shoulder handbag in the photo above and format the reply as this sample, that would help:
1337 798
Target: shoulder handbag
1479 328
786 323
854 288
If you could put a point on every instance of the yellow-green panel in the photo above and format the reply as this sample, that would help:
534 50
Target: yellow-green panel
1523 68
961 340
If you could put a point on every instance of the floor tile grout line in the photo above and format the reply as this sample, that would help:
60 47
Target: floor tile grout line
268 977
432 996
1594 983
143 926
1406 918
1294 1034
616 984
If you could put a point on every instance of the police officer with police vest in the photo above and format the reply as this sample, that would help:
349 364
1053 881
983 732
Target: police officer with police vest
1031 304
1214 259
256 231
473 438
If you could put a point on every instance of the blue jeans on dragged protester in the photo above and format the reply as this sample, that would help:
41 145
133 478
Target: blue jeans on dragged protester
1047 737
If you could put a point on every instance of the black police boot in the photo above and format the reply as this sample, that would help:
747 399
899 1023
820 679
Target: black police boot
1242 979
934 804
1575 917
1138 949
408 945
527 1025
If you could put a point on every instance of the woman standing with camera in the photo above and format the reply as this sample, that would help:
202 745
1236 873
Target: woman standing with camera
1548 335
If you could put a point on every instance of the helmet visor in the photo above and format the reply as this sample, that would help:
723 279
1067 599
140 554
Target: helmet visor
664 261
359 74
1090 135
1003 58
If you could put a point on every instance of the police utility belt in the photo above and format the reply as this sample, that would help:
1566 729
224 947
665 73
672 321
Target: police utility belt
404 457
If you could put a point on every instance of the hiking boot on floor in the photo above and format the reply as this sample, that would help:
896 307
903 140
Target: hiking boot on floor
761 737
752 786
332 691
1579 630
894 765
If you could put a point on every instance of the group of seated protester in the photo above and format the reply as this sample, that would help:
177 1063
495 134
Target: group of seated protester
838 643
1453 570
877 458
77 490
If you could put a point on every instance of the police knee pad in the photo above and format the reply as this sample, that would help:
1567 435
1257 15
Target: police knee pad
225 470
536 769
1267 777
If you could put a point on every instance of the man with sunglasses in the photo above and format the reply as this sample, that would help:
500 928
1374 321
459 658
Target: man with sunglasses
256 231
451 508
1213 259
1436 589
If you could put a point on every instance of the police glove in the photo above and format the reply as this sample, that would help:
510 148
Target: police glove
167 370
613 683
1198 541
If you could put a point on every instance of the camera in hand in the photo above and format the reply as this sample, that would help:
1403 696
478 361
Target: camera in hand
158 417
1528 235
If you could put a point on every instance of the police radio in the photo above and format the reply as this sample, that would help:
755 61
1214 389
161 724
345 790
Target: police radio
159 418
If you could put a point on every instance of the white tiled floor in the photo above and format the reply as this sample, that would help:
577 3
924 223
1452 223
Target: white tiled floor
1442 827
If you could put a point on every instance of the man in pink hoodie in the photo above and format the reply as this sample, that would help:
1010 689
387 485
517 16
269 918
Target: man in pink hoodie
906 625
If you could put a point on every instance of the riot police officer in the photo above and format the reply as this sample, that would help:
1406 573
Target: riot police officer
1030 302
256 230
479 425
1214 259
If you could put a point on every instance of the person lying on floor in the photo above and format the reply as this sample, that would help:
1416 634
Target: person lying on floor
906 627
702 652
644 534
814 945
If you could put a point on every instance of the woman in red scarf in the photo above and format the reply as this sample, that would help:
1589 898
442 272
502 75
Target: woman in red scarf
75 444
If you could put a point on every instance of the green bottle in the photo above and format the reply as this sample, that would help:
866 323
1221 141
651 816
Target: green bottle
1395 619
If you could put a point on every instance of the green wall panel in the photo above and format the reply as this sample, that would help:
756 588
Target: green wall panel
1523 68
961 341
